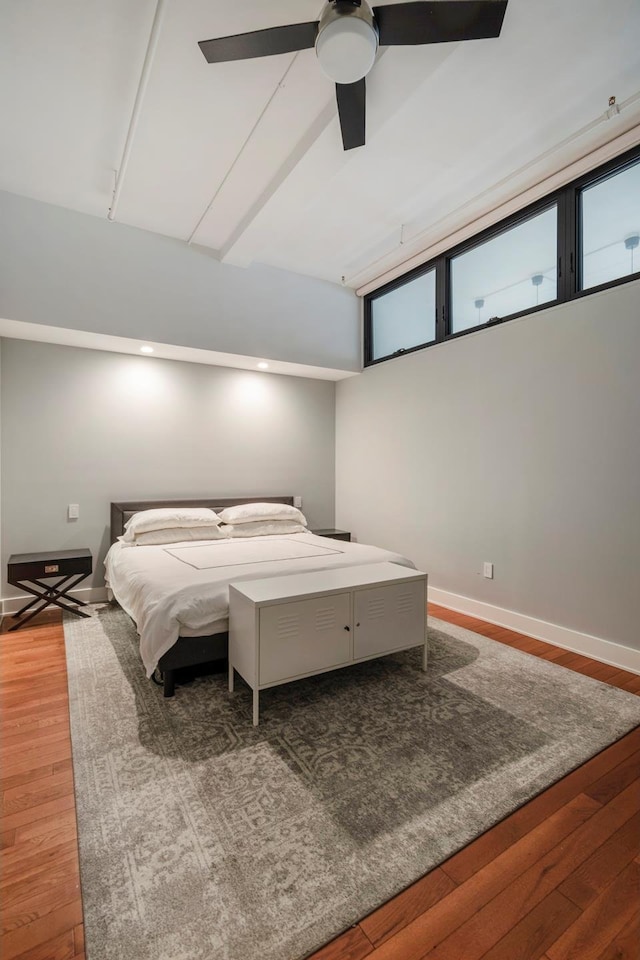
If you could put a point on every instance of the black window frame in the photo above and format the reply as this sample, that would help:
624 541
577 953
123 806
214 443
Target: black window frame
592 179
496 230
569 260
406 278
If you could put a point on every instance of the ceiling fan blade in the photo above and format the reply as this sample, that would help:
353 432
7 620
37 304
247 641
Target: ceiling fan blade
352 99
440 22
261 43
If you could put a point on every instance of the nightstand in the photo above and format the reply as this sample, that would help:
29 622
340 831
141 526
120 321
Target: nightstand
334 534
27 571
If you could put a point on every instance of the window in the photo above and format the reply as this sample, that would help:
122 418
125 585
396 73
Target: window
404 318
583 237
610 221
515 271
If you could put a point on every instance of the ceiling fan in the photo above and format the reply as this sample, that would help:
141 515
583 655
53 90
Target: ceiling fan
347 36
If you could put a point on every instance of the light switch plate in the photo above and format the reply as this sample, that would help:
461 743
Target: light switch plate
297 502
73 511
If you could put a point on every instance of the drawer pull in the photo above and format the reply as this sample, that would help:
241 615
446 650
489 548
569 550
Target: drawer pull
52 568
347 628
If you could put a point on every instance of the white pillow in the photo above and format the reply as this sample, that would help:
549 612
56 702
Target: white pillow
166 517
174 535
252 512
262 528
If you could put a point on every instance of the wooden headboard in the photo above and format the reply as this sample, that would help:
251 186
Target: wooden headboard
123 511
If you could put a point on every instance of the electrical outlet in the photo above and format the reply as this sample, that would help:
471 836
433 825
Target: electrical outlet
297 502
73 511
487 570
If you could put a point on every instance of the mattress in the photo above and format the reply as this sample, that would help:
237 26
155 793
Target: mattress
182 589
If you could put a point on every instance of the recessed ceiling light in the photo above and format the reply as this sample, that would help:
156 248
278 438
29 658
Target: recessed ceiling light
263 366
146 349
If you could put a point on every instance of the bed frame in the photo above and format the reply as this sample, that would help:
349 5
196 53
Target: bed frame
187 651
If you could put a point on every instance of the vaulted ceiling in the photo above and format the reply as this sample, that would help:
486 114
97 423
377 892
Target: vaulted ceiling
246 158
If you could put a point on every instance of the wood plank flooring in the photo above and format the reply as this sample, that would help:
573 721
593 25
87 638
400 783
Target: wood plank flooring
557 880
39 878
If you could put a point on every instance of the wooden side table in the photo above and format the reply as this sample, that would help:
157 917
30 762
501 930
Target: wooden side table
28 570
334 534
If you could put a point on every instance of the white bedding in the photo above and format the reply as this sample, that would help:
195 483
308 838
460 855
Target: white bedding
170 598
239 553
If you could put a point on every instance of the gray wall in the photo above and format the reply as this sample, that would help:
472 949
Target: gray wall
87 427
68 269
519 445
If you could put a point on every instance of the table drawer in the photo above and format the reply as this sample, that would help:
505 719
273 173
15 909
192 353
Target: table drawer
52 567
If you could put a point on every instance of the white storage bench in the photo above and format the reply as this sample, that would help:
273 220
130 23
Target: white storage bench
290 627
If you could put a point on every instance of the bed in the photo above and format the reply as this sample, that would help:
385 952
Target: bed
178 594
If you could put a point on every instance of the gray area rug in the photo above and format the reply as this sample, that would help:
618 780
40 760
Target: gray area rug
204 838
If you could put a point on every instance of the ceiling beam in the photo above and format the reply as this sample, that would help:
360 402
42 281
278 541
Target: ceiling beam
301 149
279 86
152 46
318 157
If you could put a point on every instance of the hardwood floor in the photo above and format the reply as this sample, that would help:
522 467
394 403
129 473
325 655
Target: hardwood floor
39 879
557 880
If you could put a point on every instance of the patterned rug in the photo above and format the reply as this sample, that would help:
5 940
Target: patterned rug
204 838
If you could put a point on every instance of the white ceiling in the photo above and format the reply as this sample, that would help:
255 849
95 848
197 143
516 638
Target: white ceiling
246 157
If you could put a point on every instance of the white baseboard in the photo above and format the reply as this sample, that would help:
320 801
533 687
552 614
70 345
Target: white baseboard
87 594
606 651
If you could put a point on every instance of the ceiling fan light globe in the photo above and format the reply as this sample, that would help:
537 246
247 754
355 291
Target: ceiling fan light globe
346 49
